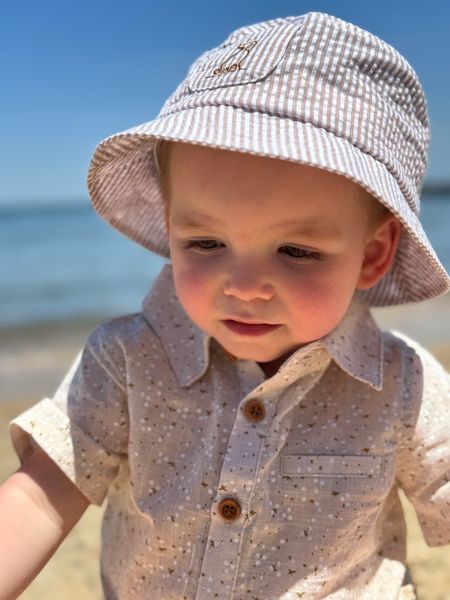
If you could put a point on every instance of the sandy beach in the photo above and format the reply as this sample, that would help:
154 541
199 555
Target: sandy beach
32 363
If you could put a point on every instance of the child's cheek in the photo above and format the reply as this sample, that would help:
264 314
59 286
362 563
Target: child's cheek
323 296
193 287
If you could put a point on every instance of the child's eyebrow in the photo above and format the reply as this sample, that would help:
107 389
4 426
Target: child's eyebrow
314 227
194 221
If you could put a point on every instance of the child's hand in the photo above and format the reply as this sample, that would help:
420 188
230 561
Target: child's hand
39 505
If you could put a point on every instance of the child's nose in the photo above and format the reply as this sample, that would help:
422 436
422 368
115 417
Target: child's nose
247 282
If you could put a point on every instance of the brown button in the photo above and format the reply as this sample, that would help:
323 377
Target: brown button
229 509
254 410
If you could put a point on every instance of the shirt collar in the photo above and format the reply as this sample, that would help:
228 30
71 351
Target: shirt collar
186 345
355 344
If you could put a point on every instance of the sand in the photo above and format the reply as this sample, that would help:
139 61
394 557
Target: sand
32 362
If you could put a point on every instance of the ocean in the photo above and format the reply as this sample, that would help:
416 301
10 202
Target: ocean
62 262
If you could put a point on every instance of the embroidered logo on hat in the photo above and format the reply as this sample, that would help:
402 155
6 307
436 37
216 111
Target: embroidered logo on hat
245 57
235 66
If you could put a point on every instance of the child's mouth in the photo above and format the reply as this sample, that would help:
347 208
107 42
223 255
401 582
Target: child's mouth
249 328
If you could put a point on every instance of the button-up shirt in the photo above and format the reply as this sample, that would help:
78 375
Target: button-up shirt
223 484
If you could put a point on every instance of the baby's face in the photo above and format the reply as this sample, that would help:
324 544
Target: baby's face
266 253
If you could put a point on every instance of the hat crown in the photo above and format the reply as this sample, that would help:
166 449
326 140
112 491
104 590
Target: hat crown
320 70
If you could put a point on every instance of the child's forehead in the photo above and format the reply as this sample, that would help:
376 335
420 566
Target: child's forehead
194 165
209 187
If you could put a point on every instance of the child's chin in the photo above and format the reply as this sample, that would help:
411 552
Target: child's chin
258 355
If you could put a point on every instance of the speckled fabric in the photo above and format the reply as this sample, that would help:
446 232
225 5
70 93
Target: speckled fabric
152 415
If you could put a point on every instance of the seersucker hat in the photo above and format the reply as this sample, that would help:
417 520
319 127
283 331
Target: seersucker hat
311 89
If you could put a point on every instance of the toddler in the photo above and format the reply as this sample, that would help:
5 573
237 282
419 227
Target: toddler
252 426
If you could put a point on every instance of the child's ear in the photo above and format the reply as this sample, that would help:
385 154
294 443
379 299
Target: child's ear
380 251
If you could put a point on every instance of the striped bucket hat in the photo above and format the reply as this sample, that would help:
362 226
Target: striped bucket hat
311 89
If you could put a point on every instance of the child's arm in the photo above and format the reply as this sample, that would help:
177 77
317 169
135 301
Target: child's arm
39 505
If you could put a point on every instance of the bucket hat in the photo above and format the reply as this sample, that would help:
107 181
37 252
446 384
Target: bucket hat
311 89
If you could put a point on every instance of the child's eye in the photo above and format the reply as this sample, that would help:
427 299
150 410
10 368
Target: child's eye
204 244
295 252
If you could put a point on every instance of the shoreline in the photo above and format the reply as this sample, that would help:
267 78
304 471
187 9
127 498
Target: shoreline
34 358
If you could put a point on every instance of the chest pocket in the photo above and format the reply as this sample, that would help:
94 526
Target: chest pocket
346 488
331 465
248 55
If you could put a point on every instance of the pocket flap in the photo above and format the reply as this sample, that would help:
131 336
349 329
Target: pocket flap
330 465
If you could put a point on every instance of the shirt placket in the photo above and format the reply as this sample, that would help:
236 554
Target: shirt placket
231 510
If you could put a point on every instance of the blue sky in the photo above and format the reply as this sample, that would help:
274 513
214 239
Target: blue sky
75 71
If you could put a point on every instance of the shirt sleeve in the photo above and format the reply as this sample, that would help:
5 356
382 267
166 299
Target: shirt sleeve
424 459
84 427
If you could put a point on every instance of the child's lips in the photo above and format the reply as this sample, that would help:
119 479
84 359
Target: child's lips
249 329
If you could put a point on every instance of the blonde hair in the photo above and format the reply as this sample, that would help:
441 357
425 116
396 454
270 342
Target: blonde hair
162 155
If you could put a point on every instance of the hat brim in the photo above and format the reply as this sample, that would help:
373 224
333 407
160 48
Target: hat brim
124 184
